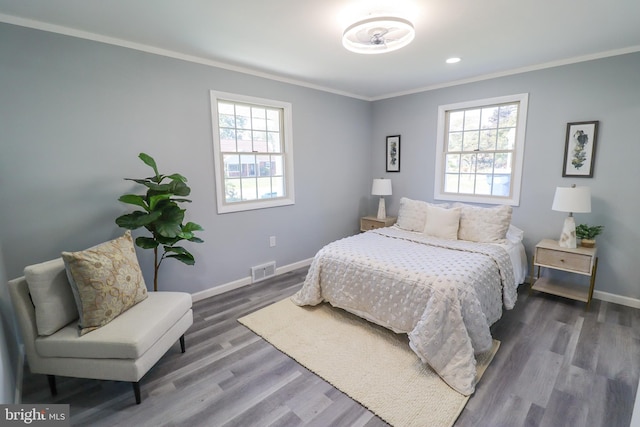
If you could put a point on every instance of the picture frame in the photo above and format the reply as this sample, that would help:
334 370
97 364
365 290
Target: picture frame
392 157
580 149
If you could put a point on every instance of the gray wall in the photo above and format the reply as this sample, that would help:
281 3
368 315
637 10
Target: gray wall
607 90
9 348
75 114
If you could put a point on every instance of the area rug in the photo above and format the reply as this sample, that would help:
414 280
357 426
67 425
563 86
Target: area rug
371 364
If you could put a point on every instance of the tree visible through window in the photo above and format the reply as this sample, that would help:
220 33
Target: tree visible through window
480 150
253 153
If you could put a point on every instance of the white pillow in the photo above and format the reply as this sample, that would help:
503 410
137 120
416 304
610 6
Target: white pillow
412 215
442 223
485 225
514 234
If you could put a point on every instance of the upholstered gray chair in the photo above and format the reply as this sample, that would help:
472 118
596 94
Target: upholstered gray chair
122 350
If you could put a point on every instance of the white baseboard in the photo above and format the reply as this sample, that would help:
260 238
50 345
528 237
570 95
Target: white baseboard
245 281
617 299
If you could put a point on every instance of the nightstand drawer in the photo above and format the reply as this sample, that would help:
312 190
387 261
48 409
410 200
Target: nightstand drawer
369 224
564 260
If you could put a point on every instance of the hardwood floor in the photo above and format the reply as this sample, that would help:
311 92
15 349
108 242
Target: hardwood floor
558 365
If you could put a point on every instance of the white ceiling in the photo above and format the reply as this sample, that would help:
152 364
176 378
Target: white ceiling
300 40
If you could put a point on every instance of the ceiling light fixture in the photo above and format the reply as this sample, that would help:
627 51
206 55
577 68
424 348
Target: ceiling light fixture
378 35
453 60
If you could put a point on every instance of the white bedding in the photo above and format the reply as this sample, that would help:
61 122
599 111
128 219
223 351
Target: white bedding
444 294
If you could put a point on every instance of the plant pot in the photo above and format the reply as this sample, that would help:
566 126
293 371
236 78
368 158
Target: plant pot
588 243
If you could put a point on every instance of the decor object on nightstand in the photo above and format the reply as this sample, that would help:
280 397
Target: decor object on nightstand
381 187
587 234
571 199
162 216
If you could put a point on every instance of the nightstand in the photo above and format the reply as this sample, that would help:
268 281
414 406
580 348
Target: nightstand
549 254
371 222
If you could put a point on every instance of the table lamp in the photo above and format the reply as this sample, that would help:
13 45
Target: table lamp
381 187
571 199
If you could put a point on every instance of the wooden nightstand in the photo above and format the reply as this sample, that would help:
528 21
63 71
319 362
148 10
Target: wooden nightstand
371 222
548 254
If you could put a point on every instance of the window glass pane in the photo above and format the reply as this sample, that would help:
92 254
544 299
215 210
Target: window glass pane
277 186
248 166
470 141
232 190
273 120
456 120
265 167
245 144
264 188
508 115
227 140
502 163
467 183
258 118
468 163
487 140
484 163
455 141
260 141
501 185
472 119
274 144
227 121
489 118
249 189
452 163
483 184
243 117
277 165
506 139
451 183
231 165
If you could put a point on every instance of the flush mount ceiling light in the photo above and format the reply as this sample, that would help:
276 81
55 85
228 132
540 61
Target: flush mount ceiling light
378 35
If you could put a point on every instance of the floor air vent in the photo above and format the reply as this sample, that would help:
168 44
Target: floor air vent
264 271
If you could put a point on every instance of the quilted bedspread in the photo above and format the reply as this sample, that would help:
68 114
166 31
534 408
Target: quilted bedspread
445 294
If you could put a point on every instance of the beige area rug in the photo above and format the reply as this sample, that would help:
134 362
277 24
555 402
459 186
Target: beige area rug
369 363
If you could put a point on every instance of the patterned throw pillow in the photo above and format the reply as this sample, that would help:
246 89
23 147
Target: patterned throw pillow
485 225
106 280
412 215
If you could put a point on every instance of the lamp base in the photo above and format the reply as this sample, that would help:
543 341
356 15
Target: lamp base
568 236
382 214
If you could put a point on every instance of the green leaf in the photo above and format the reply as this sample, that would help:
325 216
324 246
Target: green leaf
153 200
192 226
179 188
134 199
169 223
177 177
147 242
137 219
148 160
196 240
185 258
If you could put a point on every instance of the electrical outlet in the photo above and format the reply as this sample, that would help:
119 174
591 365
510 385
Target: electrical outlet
272 241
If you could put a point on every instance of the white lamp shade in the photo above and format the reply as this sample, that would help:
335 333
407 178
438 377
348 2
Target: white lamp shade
572 199
381 187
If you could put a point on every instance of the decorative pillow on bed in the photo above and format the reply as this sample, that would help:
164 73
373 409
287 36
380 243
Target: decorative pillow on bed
514 234
412 215
106 280
485 225
442 223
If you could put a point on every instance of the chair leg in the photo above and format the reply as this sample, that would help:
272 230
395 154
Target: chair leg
52 384
182 347
136 391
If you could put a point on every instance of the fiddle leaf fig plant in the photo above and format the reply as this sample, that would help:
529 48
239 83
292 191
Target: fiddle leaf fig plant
162 216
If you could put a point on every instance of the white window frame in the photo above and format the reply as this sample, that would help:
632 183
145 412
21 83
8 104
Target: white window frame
518 154
287 146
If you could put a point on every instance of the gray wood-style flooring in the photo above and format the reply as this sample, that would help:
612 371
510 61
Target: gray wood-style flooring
558 365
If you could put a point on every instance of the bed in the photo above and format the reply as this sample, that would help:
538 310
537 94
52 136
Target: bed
444 292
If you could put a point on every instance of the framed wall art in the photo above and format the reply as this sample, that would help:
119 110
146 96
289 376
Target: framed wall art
580 149
393 153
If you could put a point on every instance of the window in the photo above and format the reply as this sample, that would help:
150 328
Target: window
253 152
480 150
